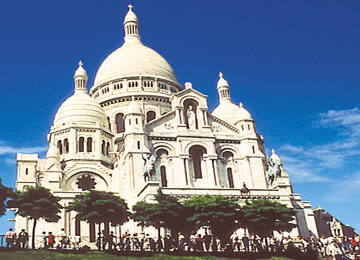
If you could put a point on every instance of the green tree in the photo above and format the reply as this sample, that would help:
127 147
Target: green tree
5 193
221 214
36 203
100 207
262 217
166 212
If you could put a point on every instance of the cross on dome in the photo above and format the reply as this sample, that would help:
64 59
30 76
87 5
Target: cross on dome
130 7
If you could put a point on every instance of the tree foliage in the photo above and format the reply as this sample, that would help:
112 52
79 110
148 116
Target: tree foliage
221 214
262 217
167 212
100 207
36 203
5 193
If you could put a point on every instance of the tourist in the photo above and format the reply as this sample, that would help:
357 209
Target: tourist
181 241
44 238
51 240
135 242
10 237
168 245
207 241
246 241
23 239
62 238
110 240
234 238
99 241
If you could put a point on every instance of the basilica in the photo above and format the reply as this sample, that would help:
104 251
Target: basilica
137 130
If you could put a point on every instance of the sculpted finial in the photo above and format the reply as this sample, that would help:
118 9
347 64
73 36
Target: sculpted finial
188 85
80 63
220 74
241 105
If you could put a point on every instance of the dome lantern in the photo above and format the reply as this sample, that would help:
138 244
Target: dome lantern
80 78
131 25
223 89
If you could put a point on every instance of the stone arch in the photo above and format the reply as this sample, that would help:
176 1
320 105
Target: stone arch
197 153
189 145
228 148
150 115
69 181
192 97
166 146
120 122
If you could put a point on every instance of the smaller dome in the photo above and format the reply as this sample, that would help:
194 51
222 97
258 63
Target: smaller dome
80 109
80 72
226 111
134 108
243 114
222 82
130 16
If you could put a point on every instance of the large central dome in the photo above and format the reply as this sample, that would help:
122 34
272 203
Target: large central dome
133 59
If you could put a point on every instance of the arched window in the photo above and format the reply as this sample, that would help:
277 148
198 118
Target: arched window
107 148
89 145
161 152
163 176
66 145
59 146
229 156
103 147
230 178
120 124
196 153
81 144
150 115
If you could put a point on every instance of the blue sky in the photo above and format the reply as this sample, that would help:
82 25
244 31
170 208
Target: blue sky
294 64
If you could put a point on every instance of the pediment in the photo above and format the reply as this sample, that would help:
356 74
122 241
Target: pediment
187 92
220 127
53 167
164 123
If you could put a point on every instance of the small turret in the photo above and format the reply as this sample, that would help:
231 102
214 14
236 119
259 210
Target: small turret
131 26
223 89
80 78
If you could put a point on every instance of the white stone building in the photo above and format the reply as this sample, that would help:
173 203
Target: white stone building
137 111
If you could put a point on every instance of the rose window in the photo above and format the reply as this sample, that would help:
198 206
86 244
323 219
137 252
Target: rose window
86 182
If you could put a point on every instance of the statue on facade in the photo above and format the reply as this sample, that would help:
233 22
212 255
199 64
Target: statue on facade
191 118
273 168
149 166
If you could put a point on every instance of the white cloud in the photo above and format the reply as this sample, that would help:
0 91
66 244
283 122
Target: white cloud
10 161
9 149
345 189
317 163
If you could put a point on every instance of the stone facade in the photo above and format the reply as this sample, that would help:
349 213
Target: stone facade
138 117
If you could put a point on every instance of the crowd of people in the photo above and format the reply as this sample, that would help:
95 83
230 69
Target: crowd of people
336 247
